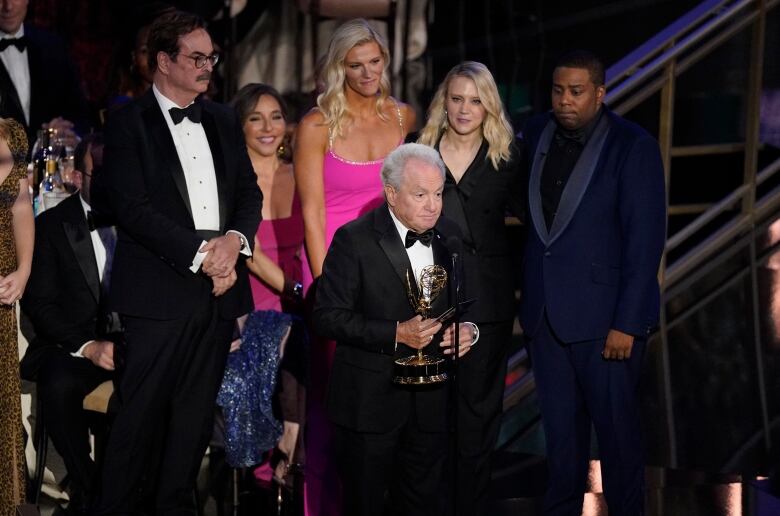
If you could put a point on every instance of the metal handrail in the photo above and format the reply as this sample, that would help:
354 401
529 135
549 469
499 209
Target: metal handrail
641 64
706 217
633 60
721 207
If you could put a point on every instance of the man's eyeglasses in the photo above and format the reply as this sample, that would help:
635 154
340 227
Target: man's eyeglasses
201 59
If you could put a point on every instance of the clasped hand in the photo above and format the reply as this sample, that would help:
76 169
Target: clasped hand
220 262
465 339
11 287
100 353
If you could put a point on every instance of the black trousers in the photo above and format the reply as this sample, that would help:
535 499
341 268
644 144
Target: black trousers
63 381
481 374
396 473
167 392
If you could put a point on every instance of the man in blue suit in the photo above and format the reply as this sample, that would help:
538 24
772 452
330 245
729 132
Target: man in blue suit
596 232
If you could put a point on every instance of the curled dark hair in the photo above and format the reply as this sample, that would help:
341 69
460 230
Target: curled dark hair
165 32
585 60
245 100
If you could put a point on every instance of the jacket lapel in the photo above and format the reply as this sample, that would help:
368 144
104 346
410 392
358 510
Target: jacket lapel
10 105
76 231
579 179
160 136
214 137
37 76
456 195
474 172
392 246
535 181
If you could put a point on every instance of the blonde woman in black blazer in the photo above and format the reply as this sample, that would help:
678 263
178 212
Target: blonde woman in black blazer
467 125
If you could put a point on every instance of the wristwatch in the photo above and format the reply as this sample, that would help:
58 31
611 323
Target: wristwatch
242 242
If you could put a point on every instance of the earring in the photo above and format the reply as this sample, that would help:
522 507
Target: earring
280 151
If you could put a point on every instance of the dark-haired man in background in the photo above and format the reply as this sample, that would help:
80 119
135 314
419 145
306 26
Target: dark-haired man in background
38 81
179 183
596 232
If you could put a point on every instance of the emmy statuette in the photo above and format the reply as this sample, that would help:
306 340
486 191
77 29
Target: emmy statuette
422 369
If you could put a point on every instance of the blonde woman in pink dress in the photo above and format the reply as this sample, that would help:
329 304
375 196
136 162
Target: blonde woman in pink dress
339 149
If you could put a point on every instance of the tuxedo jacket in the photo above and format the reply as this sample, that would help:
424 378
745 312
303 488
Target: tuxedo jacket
478 204
360 297
54 86
63 295
143 188
596 267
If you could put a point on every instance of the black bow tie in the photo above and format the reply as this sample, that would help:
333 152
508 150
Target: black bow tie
20 43
193 112
94 222
424 238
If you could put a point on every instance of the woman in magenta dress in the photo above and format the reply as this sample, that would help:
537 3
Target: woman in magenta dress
276 265
340 146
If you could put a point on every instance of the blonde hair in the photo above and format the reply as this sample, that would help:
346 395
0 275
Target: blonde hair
333 102
496 129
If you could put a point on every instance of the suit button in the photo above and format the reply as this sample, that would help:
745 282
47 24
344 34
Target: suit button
547 254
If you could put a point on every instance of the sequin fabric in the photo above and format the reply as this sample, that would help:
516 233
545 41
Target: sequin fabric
246 394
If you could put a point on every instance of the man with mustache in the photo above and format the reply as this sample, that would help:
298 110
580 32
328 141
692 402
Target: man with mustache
179 184
596 231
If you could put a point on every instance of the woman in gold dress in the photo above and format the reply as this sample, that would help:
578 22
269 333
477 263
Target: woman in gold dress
17 230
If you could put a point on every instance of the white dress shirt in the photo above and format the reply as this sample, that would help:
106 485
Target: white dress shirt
419 255
97 243
100 258
192 147
18 68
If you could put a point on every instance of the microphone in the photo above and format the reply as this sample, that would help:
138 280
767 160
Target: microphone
454 244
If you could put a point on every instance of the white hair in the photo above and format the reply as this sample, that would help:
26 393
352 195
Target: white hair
394 165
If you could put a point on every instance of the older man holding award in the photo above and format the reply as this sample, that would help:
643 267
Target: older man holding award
383 295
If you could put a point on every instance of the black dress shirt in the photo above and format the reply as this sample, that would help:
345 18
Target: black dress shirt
565 149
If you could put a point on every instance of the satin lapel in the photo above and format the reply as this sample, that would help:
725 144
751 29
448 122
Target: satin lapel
579 179
456 194
535 181
160 136
37 75
391 244
77 233
214 137
455 209
474 172
9 97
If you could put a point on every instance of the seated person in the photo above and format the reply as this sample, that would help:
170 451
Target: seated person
73 350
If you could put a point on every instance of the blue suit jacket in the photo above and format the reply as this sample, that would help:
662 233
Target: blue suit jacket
596 268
